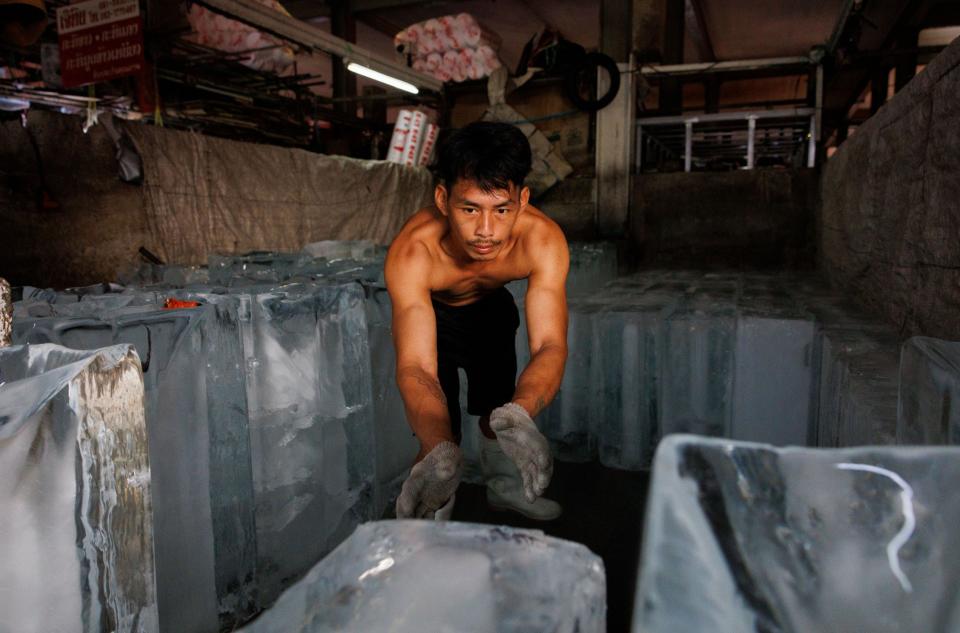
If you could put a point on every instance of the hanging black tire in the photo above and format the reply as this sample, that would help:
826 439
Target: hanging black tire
581 82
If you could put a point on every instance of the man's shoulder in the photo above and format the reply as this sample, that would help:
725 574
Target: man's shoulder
540 230
420 230
413 245
545 247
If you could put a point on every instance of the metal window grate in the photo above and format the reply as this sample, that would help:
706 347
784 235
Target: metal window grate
729 140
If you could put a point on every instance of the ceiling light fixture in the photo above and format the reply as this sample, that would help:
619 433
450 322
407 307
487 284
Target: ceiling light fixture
382 78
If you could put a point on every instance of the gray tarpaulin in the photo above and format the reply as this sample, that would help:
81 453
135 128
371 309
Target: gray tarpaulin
207 195
200 195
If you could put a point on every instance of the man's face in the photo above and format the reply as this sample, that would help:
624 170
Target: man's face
480 222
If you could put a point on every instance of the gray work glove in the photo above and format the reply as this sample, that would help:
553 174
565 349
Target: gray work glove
519 438
431 482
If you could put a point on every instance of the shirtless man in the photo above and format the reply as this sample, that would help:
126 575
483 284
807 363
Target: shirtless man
445 272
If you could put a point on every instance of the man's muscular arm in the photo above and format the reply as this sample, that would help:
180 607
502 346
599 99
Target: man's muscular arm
415 339
546 307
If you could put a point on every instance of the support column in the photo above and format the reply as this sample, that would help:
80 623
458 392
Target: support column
671 90
615 151
688 144
615 123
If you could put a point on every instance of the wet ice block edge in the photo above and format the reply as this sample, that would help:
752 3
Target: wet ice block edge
929 402
6 313
413 576
858 388
747 537
76 540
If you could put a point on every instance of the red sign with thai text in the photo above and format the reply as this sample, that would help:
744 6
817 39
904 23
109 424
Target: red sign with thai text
99 40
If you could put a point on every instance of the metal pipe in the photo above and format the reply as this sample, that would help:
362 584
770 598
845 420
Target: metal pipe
784 113
819 103
639 156
839 27
688 144
751 134
6 313
812 145
727 66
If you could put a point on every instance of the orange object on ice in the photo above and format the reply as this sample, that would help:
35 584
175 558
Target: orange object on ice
174 304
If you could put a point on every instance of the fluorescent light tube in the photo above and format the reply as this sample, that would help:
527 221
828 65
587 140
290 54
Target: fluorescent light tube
384 79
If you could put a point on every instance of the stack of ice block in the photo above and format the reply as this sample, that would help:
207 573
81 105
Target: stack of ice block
200 455
76 538
929 405
697 375
743 537
311 423
628 349
260 413
660 352
305 374
415 576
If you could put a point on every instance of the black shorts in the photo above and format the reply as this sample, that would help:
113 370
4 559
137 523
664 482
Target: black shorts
480 338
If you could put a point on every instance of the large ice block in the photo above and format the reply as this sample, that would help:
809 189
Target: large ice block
261 267
397 446
858 388
566 422
76 537
311 423
361 263
166 274
774 397
743 537
232 501
358 250
416 576
696 388
929 401
170 347
629 353
592 264
213 362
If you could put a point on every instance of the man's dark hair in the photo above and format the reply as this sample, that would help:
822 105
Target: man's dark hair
491 154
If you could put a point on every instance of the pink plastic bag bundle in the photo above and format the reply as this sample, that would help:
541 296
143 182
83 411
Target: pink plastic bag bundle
261 51
451 48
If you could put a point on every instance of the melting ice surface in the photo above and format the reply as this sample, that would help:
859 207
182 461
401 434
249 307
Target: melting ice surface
76 543
418 593
417 576
748 537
